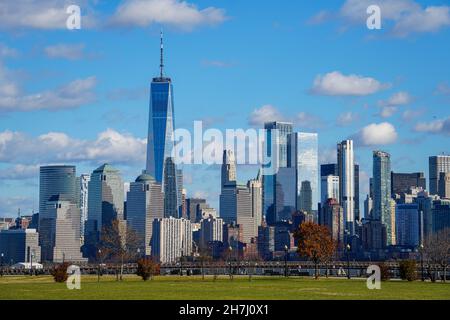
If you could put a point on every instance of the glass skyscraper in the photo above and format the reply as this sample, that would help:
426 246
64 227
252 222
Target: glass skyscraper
382 191
305 148
161 125
279 184
160 144
346 173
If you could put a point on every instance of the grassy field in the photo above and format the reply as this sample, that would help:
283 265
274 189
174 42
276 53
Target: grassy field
194 288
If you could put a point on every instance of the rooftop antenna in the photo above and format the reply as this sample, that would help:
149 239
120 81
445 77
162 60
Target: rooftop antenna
161 66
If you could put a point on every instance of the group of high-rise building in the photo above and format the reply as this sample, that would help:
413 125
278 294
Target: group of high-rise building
257 218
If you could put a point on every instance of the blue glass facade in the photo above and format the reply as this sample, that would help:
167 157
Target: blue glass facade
307 162
161 127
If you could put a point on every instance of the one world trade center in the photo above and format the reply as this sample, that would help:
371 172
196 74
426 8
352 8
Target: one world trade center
161 124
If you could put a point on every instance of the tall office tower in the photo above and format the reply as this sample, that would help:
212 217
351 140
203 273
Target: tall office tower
171 239
55 180
332 169
105 204
441 215
280 183
255 187
444 185
437 165
60 231
236 207
304 148
346 173
228 168
266 241
20 245
305 197
83 188
426 205
194 205
407 225
403 182
329 188
211 231
171 192
368 208
160 144
356 193
382 191
332 216
184 208
391 237
145 203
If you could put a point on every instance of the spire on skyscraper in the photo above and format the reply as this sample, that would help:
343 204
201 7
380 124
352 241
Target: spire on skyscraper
161 66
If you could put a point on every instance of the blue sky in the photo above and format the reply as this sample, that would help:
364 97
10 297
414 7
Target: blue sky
81 96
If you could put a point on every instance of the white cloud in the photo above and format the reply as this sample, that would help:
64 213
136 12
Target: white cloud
41 14
441 126
180 14
65 51
264 114
72 95
389 107
19 172
347 118
56 147
337 84
399 98
376 134
400 17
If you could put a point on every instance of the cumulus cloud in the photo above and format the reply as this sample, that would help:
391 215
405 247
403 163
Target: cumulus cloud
65 51
347 118
337 84
376 134
440 126
389 107
72 95
176 13
41 14
264 114
400 17
57 147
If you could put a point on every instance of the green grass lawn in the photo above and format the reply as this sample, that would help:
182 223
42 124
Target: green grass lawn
194 288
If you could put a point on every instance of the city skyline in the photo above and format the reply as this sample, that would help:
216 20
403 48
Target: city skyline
102 116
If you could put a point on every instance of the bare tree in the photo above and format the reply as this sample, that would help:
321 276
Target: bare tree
437 251
119 244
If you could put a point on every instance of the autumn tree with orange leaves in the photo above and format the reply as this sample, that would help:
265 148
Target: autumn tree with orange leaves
315 243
